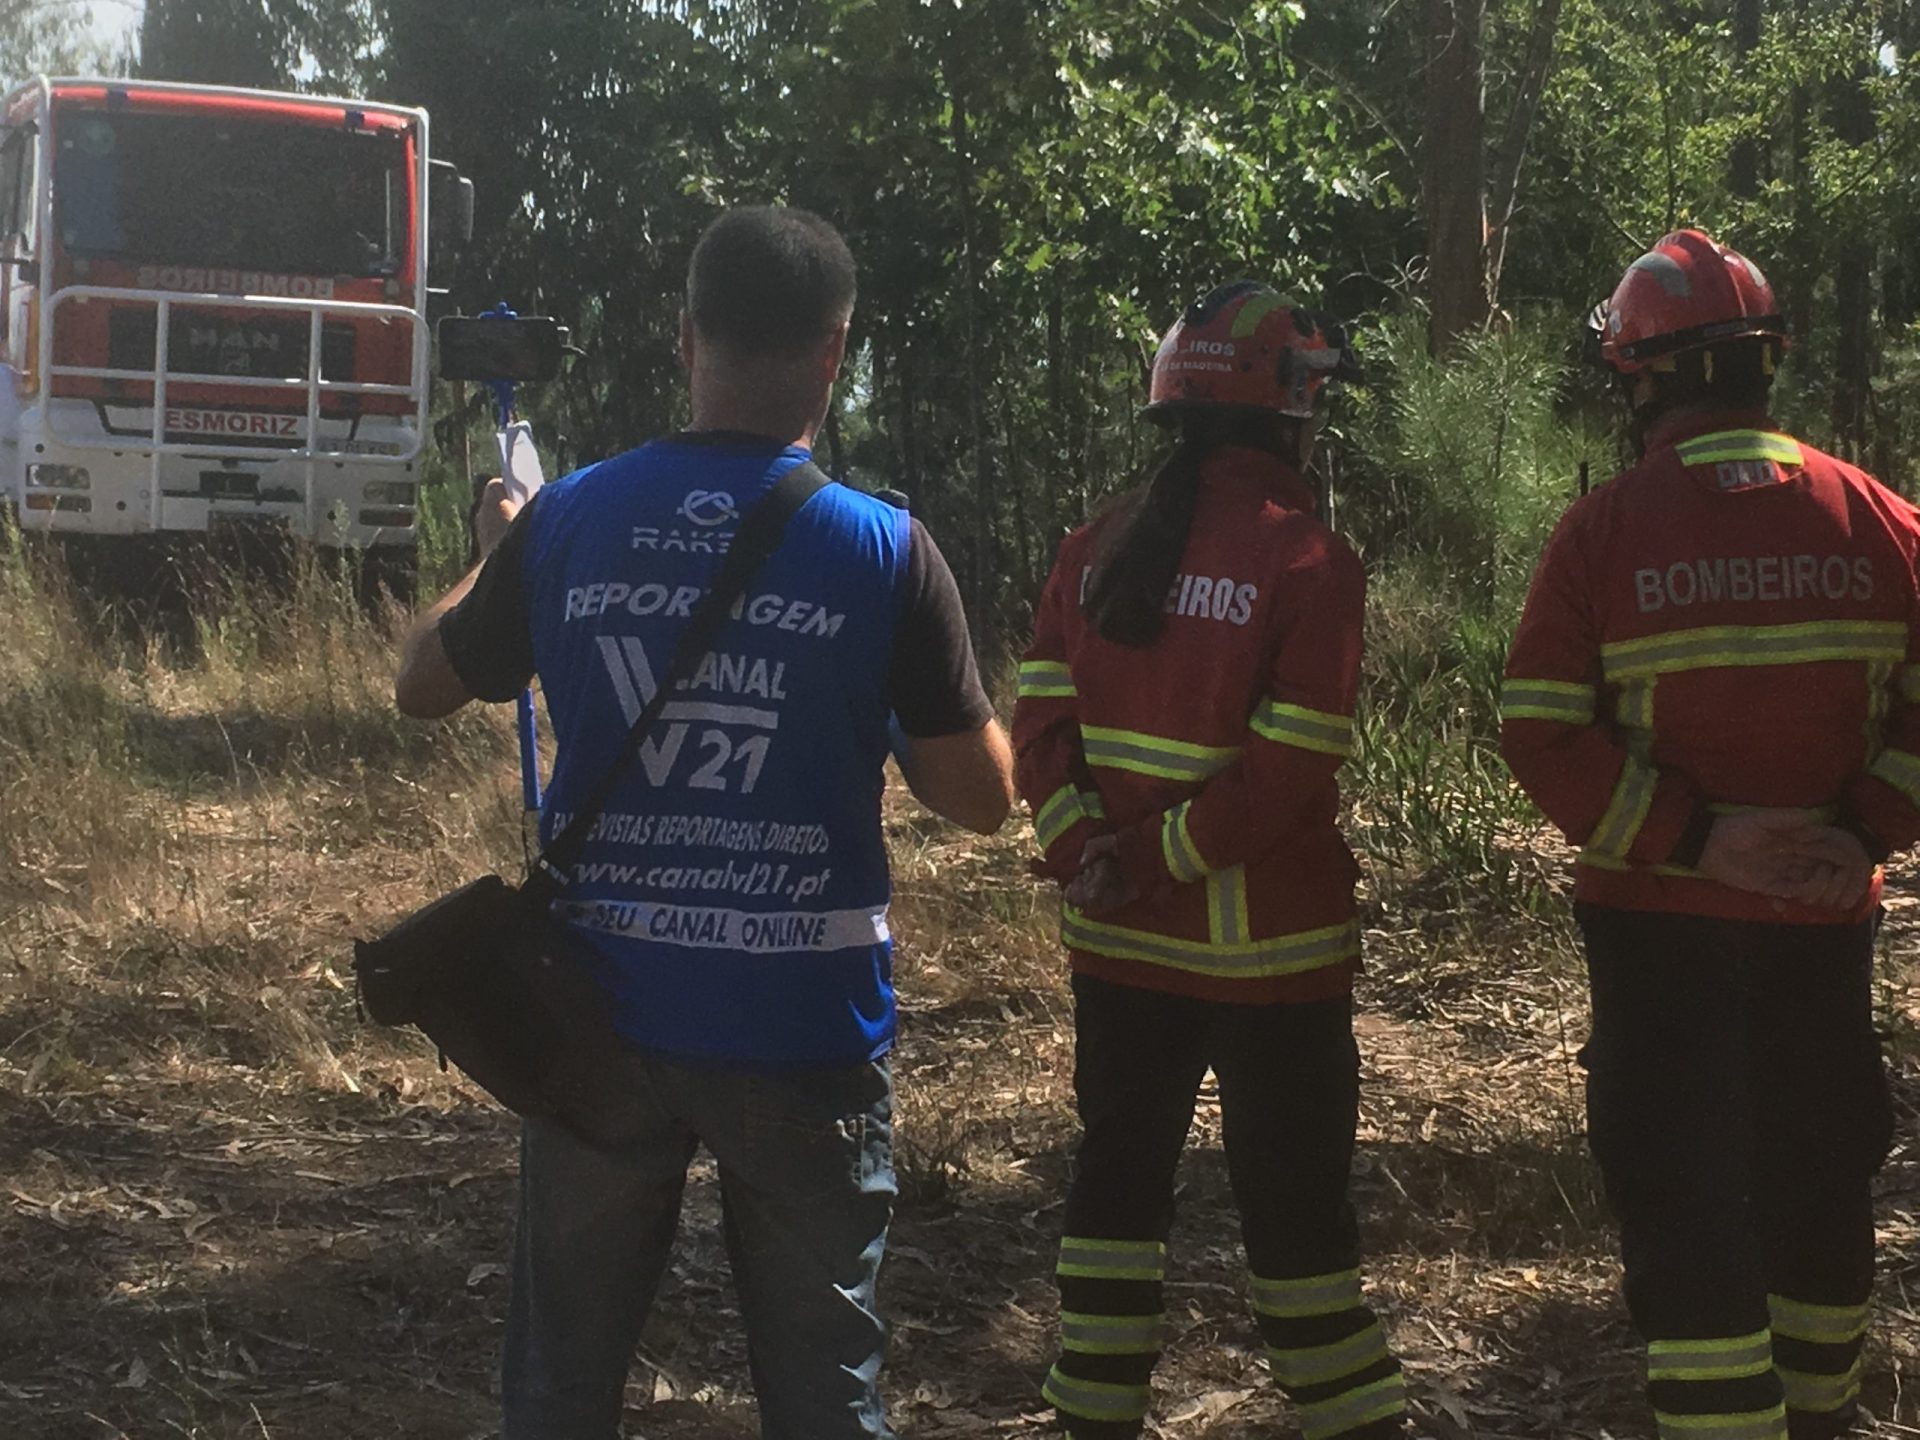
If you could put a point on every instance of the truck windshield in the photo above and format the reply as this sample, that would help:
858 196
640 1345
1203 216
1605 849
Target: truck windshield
233 192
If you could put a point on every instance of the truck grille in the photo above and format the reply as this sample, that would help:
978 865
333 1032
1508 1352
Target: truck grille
203 342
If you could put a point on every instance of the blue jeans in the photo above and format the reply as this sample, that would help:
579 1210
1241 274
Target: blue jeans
807 1187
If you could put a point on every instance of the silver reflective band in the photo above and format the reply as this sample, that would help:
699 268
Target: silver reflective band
1762 1425
1355 1408
1093 1401
1112 1334
1311 1295
1730 1359
1321 1363
1112 1259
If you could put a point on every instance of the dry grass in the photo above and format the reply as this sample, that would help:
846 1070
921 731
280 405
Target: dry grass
228 1210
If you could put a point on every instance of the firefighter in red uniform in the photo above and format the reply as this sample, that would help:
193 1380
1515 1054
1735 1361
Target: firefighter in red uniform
1715 692
1182 713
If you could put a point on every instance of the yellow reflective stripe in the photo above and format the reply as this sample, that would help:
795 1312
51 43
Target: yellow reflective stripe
1900 769
1819 1324
1227 922
1727 1359
1713 646
1045 679
1092 1400
1151 755
1307 1295
1361 1406
1092 805
1907 681
1112 1334
1547 700
1318 730
1627 811
1061 812
1176 845
1820 1393
1252 960
1879 701
1111 1259
1633 708
1320 1364
1741 1425
1725 445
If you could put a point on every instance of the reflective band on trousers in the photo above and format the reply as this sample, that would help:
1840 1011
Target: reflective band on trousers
1747 1425
1326 1418
1319 730
1627 810
1091 1400
1319 1364
1820 1393
1820 1324
1254 960
1112 1334
1112 1259
1712 646
1150 755
1064 809
1725 445
1045 679
1729 1359
1309 1295
1900 769
1547 700
1176 844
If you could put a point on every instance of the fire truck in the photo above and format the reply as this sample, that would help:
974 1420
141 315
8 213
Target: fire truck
213 312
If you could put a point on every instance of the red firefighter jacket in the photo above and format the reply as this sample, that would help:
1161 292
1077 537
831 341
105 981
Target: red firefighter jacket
1731 623
1211 753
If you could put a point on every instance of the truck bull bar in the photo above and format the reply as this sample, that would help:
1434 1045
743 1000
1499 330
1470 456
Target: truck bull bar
155 444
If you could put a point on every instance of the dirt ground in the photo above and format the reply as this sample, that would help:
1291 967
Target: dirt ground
217 1226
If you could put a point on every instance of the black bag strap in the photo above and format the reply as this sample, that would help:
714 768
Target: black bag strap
754 542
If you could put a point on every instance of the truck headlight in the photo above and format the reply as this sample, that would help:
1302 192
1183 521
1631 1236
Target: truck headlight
388 492
59 477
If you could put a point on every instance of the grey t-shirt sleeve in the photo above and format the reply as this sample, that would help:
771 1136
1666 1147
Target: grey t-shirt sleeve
933 681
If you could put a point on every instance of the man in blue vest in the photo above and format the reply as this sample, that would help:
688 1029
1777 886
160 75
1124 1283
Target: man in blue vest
736 889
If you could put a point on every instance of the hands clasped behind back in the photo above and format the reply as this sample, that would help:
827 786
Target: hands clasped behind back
1789 855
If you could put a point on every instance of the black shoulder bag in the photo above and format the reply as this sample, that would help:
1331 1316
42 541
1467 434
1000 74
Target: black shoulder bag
502 987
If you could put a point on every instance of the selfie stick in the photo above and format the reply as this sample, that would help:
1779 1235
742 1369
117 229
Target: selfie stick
520 474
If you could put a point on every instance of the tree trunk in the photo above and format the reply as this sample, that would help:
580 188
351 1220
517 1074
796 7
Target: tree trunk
982 576
1853 122
1743 169
1512 158
1453 166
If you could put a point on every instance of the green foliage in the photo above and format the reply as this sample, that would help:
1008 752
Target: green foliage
1467 461
1430 802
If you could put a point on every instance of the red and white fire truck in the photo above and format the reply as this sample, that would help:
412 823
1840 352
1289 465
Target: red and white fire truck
213 311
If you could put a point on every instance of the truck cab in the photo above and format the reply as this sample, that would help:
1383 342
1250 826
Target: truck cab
213 312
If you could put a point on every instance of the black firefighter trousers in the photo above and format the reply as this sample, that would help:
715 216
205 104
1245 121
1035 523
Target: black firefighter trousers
1289 1087
1738 1107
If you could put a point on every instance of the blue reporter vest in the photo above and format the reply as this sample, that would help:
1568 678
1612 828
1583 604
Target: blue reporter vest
735 891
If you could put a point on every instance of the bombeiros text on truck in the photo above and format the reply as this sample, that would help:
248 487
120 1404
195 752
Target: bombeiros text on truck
213 311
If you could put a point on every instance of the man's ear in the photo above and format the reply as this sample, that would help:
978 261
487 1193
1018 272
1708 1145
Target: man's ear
835 355
688 341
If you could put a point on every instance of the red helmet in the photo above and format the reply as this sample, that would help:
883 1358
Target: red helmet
1242 347
1686 292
